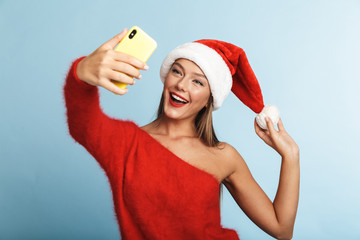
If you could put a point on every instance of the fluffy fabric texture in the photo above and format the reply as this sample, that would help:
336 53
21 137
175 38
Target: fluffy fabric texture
156 194
270 111
225 66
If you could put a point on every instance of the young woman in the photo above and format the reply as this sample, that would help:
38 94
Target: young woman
165 177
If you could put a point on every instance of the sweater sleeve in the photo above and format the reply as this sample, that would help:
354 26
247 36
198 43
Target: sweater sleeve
105 138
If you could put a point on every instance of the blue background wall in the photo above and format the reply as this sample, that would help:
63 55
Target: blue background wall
306 55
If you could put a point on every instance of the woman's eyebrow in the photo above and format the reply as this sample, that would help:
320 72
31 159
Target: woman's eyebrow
176 63
200 75
194 73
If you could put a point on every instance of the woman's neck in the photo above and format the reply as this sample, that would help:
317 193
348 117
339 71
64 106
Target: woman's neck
174 128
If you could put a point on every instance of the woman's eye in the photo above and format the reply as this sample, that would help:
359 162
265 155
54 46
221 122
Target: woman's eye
198 82
175 71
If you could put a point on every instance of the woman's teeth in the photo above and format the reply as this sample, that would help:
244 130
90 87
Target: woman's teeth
178 99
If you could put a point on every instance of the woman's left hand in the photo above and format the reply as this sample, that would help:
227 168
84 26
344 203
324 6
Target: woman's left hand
280 140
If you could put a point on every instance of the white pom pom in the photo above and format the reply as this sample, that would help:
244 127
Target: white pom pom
272 112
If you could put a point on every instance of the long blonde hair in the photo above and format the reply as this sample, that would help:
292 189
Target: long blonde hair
203 124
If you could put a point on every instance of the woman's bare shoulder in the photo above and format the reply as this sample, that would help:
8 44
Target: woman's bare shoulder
227 151
229 156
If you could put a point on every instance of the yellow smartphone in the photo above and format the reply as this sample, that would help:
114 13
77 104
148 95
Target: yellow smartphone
137 44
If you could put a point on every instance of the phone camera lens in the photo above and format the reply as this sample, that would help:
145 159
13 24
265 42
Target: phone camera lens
132 34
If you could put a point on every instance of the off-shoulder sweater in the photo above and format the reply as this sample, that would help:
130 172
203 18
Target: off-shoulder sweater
156 194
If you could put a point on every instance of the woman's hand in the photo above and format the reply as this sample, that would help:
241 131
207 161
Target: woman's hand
280 140
105 65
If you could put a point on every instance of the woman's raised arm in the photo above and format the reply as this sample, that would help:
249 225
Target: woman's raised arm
87 123
277 218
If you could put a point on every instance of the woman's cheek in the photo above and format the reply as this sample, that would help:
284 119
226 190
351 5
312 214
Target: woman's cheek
200 95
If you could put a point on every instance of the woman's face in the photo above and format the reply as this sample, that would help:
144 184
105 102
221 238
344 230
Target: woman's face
186 90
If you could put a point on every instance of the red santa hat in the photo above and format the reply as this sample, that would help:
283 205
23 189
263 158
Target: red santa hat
226 68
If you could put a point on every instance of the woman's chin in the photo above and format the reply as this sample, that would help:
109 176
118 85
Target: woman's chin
179 113
172 114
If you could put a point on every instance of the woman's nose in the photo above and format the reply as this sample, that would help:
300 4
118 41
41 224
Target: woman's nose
182 84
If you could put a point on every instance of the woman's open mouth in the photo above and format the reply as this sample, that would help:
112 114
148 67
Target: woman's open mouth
177 100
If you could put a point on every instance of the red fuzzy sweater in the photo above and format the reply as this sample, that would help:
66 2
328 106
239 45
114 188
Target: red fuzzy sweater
156 194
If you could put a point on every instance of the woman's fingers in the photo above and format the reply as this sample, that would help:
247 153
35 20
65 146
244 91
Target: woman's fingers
257 129
120 77
280 125
126 69
122 57
280 141
114 41
113 88
270 126
263 134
